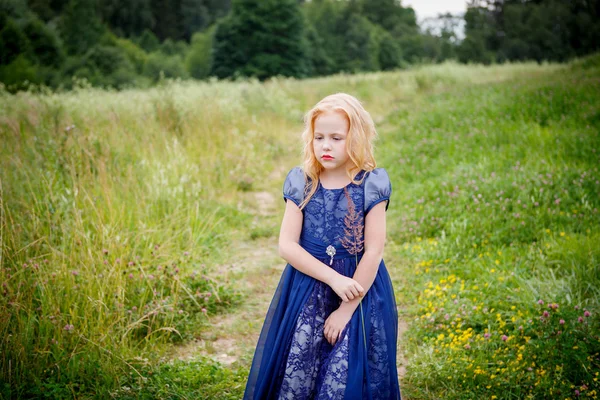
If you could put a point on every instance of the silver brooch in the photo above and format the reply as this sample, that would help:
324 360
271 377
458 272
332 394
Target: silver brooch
330 252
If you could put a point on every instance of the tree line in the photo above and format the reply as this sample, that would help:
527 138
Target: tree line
138 42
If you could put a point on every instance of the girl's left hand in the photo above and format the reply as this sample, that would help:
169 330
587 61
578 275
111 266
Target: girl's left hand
335 324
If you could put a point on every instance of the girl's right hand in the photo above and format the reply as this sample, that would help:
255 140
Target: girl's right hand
347 288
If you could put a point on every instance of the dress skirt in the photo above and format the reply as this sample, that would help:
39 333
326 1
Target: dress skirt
294 360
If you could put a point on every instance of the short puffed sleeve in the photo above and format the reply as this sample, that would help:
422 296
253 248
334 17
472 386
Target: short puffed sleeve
378 188
293 187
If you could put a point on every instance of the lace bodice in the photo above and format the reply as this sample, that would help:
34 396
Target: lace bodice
325 212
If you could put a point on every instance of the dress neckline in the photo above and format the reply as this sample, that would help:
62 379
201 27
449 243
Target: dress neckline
342 188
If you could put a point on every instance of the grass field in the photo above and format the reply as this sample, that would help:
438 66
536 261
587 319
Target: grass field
136 224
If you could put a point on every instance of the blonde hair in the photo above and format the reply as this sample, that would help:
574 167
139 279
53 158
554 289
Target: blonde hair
359 142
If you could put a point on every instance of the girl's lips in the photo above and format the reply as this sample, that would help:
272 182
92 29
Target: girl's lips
327 158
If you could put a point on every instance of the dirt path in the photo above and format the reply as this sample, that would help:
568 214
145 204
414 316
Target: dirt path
255 268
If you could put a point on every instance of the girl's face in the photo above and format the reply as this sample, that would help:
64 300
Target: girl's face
329 144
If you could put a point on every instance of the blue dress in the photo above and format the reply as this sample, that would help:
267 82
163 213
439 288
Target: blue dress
293 359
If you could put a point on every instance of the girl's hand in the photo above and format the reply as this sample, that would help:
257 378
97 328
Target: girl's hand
335 324
347 288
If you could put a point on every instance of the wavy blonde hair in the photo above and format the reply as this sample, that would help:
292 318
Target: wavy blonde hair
359 142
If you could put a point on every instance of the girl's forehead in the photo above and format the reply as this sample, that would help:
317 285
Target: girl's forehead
331 122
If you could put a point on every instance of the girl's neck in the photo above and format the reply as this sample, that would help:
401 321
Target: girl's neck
334 178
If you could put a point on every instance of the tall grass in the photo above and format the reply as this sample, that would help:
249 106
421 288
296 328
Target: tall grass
117 207
497 193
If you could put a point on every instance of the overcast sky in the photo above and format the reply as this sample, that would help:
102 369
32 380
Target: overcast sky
431 8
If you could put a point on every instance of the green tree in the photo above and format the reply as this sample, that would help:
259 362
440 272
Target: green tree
260 38
199 57
13 42
81 27
169 21
319 61
325 35
44 43
148 41
360 44
127 18
195 16
391 16
390 53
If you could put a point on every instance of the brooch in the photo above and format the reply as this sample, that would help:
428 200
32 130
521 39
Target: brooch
330 252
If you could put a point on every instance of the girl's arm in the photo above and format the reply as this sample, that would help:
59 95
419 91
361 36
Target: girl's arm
375 232
290 250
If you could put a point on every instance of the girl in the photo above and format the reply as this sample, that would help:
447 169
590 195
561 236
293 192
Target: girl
331 329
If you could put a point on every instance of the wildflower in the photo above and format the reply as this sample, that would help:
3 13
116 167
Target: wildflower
353 242
204 310
130 263
562 322
75 273
586 313
353 222
504 338
69 328
545 314
580 319
486 335
105 251
541 302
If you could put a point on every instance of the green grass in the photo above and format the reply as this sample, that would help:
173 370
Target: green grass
117 209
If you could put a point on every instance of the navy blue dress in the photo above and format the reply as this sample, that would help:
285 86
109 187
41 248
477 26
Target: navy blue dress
293 359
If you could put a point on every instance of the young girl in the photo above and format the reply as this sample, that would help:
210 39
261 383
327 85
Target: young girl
332 327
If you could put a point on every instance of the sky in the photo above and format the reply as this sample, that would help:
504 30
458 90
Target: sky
431 8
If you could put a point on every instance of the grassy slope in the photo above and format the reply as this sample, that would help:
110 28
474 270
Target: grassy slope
177 166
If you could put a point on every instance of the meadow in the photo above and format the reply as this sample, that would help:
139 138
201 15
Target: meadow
122 214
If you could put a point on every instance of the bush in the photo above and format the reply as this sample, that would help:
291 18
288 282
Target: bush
199 58
19 74
158 64
102 66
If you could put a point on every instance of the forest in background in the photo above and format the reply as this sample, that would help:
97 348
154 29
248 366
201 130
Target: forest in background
110 43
